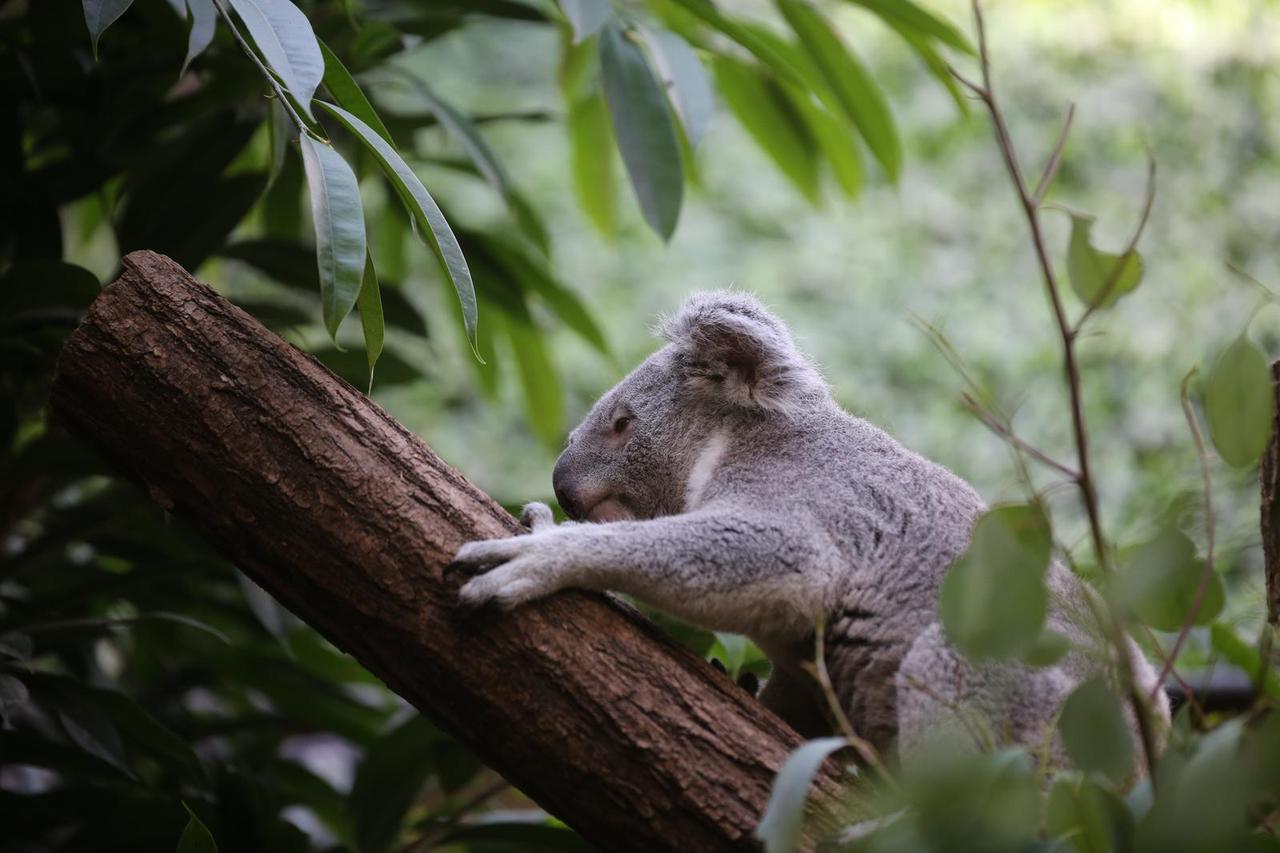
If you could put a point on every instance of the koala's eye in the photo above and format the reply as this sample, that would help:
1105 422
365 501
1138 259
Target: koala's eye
620 424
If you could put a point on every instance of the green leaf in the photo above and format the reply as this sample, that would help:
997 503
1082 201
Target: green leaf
45 290
347 92
933 61
1238 402
747 36
371 319
338 216
591 152
544 398
856 91
388 779
685 78
196 838
204 20
424 212
993 600
285 38
100 14
1088 816
1159 579
534 277
1093 271
1227 642
904 13
1094 731
586 16
644 128
779 828
1047 649
762 108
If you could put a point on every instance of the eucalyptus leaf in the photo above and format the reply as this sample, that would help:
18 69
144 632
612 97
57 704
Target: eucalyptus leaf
284 36
1094 731
1097 276
586 16
338 216
424 212
1238 403
1160 578
196 838
746 36
1087 816
783 818
904 13
856 91
100 14
204 21
644 128
591 148
686 80
347 92
371 319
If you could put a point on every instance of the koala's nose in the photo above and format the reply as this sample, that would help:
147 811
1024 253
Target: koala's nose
565 488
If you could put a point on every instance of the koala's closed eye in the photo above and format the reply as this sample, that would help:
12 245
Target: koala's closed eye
620 424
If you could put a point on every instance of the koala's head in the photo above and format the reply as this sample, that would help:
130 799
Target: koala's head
727 360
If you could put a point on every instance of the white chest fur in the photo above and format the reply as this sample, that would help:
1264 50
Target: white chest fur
704 467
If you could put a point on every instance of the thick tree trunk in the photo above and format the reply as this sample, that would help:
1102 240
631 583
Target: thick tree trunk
348 519
1271 506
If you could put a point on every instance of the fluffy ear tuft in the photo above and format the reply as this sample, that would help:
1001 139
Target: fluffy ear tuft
733 350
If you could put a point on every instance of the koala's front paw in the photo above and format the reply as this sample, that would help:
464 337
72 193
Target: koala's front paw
524 567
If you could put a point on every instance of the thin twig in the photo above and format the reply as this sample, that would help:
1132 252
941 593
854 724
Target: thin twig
1006 432
1187 690
432 837
281 94
1055 159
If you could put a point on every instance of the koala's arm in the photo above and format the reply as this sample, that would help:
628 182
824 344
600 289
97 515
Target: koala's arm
725 568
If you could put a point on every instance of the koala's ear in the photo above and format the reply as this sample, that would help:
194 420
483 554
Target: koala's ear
731 349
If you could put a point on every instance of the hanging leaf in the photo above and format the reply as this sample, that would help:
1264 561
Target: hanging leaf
586 16
534 277
993 600
204 20
1093 272
686 81
745 35
856 91
285 38
1091 817
1094 731
347 92
339 222
100 14
196 838
779 829
1238 401
371 319
424 212
643 126
906 14
933 61
764 111
1159 580
544 397
591 148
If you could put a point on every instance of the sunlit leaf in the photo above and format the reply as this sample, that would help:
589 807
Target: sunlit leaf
856 91
338 216
685 78
371 319
347 92
1238 402
100 14
586 16
196 838
907 14
783 818
425 213
763 109
644 128
1094 731
1093 272
1159 580
993 600
204 20
284 36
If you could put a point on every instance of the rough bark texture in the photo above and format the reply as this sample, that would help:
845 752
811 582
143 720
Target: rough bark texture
348 519
1271 506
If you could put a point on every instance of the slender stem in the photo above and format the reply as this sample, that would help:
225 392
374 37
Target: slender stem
1207 572
1006 432
1055 159
281 94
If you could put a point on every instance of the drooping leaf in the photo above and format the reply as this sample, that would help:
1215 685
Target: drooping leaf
856 91
544 397
591 151
907 14
745 35
1159 580
644 128
686 81
196 838
100 14
347 92
763 109
1095 275
1094 731
204 20
1238 403
779 828
371 319
993 600
1088 816
586 16
284 36
424 211
933 61
338 216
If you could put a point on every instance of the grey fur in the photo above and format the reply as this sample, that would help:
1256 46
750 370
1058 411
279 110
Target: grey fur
738 496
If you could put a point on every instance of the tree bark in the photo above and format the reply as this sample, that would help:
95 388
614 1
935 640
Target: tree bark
348 519
1270 478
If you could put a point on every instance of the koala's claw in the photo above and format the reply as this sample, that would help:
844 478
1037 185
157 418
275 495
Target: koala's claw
505 587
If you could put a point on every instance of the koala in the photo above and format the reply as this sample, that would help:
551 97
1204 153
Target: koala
721 483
